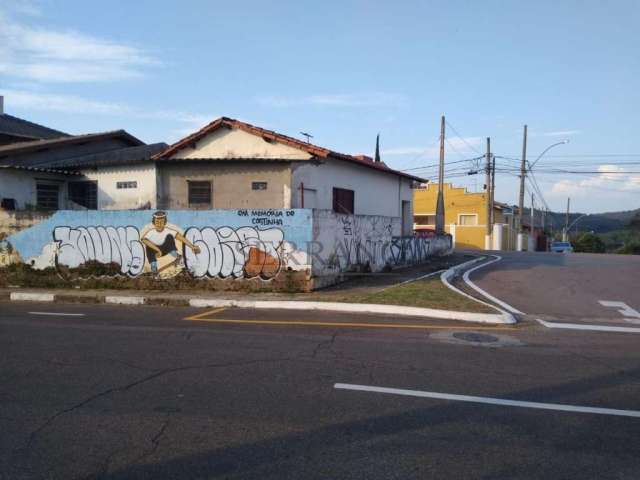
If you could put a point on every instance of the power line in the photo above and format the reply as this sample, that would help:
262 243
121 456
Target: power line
462 138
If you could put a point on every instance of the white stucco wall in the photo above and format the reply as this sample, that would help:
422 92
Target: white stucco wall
112 198
21 186
235 143
375 193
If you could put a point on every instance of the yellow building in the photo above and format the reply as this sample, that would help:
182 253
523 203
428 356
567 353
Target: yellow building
465 217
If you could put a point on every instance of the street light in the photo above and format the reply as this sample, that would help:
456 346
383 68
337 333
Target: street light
563 142
531 165
568 229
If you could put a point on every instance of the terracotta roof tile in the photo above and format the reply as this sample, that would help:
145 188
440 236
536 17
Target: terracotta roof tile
314 150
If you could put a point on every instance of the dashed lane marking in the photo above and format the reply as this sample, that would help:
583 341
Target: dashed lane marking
61 314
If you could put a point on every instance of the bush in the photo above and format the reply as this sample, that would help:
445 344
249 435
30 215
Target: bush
589 243
630 248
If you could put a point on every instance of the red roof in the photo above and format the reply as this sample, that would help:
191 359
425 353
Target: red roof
225 122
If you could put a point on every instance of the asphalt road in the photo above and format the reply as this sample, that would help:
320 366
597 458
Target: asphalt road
120 392
565 286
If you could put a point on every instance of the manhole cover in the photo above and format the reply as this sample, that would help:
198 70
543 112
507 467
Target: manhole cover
475 337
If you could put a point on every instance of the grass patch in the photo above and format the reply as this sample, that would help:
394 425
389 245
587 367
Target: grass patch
427 293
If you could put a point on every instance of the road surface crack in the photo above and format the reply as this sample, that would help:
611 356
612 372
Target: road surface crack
140 381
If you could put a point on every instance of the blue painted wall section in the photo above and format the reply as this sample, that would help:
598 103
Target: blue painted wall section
212 243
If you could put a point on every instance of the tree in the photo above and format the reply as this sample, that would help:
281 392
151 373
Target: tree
634 223
589 243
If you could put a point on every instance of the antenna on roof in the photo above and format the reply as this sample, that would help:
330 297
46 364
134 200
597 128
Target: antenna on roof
308 135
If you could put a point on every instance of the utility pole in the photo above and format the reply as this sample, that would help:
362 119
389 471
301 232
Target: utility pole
440 204
493 190
565 235
523 173
487 196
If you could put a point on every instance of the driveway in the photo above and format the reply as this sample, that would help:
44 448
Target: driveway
566 286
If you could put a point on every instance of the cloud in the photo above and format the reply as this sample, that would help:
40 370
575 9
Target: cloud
375 99
458 145
47 55
611 177
73 104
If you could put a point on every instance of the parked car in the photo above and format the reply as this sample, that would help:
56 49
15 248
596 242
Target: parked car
561 247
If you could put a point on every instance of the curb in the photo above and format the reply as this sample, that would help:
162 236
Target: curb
395 310
398 310
447 275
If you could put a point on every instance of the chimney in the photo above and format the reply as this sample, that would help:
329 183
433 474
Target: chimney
1 104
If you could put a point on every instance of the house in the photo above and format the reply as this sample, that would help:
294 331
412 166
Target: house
232 200
231 164
107 170
14 129
465 217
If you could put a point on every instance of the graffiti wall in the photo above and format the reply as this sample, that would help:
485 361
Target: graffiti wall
218 244
367 242
206 244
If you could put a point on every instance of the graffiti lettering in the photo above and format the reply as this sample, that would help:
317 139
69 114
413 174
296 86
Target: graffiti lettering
227 252
119 245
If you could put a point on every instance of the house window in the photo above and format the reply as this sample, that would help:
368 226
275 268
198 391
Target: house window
468 219
199 194
84 194
47 196
424 219
121 185
258 185
343 200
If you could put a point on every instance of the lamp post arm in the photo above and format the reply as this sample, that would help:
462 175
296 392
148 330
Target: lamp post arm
531 165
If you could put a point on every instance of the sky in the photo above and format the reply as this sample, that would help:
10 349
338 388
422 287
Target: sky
345 71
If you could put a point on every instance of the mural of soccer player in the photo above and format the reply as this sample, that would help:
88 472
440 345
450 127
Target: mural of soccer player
161 240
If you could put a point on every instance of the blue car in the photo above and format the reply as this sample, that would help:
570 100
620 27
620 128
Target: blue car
561 247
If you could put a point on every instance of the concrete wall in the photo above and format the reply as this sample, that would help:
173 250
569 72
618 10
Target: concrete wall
231 244
343 243
112 198
376 193
13 221
227 143
231 183
21 186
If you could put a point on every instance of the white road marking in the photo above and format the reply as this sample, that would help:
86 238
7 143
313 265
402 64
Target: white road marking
490 401
586 326
58 313
466 279
631 315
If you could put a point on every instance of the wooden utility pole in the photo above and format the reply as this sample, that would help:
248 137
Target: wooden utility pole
493 190
523 173
440 204
487 186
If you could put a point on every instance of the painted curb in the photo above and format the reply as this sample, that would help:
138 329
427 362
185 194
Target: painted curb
397 310
32 297
122 300
467 280
504 316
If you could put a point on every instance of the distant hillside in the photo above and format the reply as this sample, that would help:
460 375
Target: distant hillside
596 222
